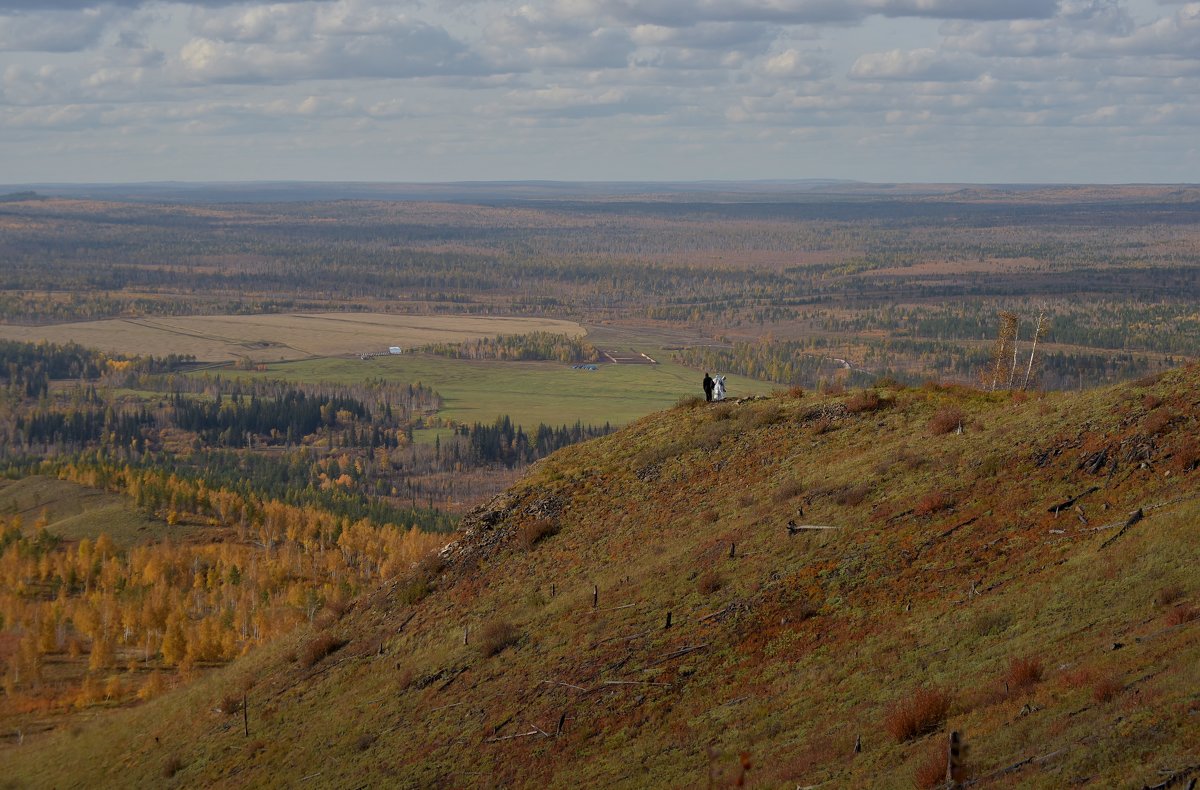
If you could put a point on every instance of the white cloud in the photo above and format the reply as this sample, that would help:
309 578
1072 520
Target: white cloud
925 65
55 31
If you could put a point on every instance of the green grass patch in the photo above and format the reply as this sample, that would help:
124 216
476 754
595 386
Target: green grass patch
528 392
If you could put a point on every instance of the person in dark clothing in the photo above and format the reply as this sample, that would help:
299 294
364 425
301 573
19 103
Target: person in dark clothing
708 386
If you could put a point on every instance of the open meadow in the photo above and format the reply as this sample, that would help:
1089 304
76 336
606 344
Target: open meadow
528 392
279 336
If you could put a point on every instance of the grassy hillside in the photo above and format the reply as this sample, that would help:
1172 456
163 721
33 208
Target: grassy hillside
981 573
74 512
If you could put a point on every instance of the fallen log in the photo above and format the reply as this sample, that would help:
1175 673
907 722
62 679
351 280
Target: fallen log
1134 518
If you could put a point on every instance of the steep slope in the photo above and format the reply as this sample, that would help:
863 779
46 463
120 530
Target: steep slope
982 574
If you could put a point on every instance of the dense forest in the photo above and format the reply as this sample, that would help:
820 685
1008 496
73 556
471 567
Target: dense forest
542 346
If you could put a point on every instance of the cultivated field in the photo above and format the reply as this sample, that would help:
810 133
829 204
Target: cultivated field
282 336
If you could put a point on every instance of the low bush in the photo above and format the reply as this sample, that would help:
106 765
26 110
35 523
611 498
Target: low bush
789 489
931 771
921 713
495 637
172 766
1105 688
319 647
1023 673
865 401
1156 422
1181 614
1186 455
1168 595
709 582
823 426
945 420
412 591
933 502
853 495
533 532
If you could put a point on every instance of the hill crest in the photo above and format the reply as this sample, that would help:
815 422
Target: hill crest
980 572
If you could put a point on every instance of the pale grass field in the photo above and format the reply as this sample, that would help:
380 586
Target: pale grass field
276 337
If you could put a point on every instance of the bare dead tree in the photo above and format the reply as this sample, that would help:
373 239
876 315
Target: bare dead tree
1039 329
1004 343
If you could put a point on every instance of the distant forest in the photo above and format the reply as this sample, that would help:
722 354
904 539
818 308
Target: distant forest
909 283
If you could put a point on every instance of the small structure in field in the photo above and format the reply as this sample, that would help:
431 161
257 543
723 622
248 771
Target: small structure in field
395 350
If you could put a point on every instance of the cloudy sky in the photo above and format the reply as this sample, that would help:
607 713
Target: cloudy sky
439 90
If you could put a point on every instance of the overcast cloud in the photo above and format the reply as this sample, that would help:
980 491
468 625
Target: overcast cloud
883 90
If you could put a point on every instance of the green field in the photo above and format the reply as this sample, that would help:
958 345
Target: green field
528 392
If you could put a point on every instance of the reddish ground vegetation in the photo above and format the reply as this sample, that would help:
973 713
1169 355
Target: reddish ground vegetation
1023 673
496 636
319 647
945 420
1181 614
922 712
933 502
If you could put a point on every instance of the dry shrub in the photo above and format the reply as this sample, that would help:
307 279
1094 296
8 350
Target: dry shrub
1156 422
365 741
1023 673
495 637
990 623
230 703
533 532
795 393
412 591
887 383
865 401
913 459
172 766
319 647
945 420
931 771
834 388
1181 614
933 502
789 489
1151 401
921 713
854 495
1168 595
690 402
1186 456
330 613
823 426
709 582
1105 688
746 500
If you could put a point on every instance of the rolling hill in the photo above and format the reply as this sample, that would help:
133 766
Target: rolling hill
800 590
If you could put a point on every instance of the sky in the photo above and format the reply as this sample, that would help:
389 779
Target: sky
991 91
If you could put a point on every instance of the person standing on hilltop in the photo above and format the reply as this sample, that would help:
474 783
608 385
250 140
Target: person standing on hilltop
708 386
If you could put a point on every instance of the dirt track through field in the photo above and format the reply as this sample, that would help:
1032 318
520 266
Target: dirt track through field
279 336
